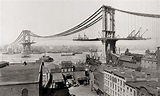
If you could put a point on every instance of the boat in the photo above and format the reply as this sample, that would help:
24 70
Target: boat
78 52
3 64
46 58
68 54
25 56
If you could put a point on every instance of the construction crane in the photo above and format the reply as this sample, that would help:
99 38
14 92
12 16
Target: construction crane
85 37
131 34
139 37
138 32
144 32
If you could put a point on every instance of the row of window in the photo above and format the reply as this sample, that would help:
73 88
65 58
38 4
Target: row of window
115 80
113 92
112 83
120 91
149 62
67 70
115 87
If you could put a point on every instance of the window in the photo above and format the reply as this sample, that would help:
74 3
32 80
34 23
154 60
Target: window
121 82
120 89
123 90
110 78
115 87
24 92
115 80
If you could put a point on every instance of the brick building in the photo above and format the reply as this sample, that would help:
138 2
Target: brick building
20 80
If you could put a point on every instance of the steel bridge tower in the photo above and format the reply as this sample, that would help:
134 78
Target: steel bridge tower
108 29
26 42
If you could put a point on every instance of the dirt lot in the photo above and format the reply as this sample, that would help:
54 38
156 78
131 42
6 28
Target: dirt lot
82 91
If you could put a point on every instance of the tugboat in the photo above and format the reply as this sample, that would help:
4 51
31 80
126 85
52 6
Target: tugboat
26 55
68 54
46 58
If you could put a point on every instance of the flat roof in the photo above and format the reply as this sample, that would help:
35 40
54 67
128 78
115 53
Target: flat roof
19 74
57 76
52 66
150 59
124 73
151 86
80 74
130 65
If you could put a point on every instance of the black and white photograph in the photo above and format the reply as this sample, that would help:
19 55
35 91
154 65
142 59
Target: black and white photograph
79 47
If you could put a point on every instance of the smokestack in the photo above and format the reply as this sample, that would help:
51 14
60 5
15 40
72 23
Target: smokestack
158 57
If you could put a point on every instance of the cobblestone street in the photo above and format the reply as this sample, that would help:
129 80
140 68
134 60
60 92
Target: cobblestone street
82 91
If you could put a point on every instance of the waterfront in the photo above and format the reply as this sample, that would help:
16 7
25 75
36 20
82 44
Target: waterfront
16 58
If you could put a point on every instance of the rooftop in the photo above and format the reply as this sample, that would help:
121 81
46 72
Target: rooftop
151 86
52 66
126 58
149 59
130 65
57 76
130 75
19 74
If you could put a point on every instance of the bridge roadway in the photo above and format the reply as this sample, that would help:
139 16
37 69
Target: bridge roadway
107 38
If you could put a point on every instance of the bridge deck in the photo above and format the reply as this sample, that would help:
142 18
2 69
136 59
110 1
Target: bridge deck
102 39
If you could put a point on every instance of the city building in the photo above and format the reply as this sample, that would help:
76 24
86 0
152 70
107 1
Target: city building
124 82
67 68
146 88
128 62
97 79
21 80
151 61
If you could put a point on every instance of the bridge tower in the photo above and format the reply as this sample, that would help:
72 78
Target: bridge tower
26 42
108 30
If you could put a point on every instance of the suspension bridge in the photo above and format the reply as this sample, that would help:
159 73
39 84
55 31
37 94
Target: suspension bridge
105 14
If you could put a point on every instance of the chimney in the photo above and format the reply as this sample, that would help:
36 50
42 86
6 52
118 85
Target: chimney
148 77
133 75
158 57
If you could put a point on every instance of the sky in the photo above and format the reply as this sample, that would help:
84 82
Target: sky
48 17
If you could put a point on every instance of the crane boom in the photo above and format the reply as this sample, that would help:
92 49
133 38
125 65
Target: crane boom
138 31
131 33
144 32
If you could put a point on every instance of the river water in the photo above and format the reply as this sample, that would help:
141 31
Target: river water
16 58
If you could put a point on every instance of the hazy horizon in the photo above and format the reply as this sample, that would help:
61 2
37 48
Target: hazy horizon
48 17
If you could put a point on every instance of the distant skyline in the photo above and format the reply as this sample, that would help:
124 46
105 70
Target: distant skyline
48 17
